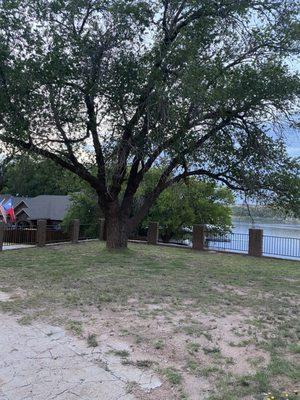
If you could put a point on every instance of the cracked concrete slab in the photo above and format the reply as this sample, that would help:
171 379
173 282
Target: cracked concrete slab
12 295
41 362
4 296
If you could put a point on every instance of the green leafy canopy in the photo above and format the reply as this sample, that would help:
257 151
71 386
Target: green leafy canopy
187 203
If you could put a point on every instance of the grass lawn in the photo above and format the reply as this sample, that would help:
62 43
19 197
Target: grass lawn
213 326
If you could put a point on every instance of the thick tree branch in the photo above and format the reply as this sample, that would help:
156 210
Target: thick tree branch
79 169
164 184
220 176
214 114
125 143
60 129
92 126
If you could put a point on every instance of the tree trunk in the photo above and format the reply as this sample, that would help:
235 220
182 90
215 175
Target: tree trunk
116 228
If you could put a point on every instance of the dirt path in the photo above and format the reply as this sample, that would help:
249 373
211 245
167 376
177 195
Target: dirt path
41 362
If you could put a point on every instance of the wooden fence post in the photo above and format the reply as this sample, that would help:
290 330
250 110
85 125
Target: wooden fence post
1 235
199 237
75 230
102 229
152 235
41 232
255 242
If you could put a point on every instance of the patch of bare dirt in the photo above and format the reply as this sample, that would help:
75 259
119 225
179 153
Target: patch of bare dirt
195 344
17 294
233 340
230 288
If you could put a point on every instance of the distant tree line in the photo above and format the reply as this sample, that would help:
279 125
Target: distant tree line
263 211
28 176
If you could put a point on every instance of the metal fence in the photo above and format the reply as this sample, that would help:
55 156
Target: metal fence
281 246
137 236
89 231
285 247
237 242
86 231
56 235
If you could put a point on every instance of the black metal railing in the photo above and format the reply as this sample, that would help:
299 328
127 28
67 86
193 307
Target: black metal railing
181 238
281 246
237 242
89 231
56 234
138 236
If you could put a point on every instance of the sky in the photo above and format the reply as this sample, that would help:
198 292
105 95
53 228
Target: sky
293 145
293 141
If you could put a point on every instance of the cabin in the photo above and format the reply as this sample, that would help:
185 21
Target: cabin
28 210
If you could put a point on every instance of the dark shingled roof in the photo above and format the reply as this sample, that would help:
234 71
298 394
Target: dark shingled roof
44 206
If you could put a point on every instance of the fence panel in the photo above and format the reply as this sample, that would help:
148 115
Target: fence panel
281 246
237 242
55 235
137 236
19 235
89 231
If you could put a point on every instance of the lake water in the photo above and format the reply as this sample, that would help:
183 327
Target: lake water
280 239
269 228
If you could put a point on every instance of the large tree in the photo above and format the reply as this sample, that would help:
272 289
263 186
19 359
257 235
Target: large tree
124 85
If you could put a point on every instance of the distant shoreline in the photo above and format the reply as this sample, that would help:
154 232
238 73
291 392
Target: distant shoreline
266 220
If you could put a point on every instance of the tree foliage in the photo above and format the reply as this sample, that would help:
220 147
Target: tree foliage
176 210
184 204
109 89
25 176
84 206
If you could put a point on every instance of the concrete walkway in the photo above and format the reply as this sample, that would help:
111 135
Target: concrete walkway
40 362
17 246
